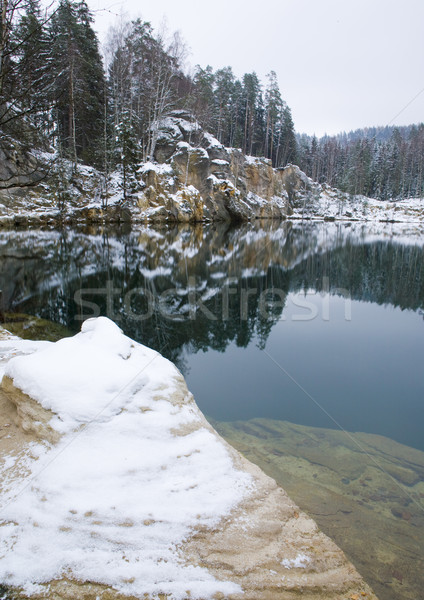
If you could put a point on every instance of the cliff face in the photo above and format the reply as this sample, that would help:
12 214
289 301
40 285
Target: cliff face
197 178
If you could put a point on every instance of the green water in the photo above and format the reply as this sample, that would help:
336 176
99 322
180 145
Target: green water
302 343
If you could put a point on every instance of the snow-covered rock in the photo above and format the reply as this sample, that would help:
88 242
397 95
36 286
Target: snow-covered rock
192 177
224 184
135 495
207 181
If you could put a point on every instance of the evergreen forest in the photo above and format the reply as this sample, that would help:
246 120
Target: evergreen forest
57 91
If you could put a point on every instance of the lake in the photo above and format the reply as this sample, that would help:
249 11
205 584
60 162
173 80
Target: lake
301 342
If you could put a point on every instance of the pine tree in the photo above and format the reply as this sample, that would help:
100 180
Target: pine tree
78 89
202 96
287 147
10 108
127 153
252 114
273 109
33 63
223 94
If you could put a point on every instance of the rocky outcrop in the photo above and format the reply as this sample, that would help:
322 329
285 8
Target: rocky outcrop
192 177
196 178
18 166
156 503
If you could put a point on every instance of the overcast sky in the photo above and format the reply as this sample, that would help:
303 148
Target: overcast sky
341 64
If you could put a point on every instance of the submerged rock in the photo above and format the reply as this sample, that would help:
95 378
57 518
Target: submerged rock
31 327
362 483
121 489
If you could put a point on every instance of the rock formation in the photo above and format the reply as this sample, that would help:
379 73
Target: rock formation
191 178
120 489
196 178
18 166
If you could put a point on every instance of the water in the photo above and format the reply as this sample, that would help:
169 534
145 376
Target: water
289 336
320 325
364 374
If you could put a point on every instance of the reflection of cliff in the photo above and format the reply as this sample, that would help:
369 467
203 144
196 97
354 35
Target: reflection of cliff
194 285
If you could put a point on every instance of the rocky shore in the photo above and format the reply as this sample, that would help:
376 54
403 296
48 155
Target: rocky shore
114 481
191 178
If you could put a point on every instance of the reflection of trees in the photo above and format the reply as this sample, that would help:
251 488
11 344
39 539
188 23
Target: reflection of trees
381 272
169 267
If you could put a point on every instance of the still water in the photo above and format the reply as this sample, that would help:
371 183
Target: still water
285 333
363 374
319 325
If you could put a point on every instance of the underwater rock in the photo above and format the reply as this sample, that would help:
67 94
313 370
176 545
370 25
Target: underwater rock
349 482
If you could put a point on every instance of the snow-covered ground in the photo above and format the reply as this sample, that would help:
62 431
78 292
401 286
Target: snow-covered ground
136 470
322 202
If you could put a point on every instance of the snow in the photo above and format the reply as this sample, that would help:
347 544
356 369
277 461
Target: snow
158 272
300 562
160 169
217 181
183 146
114 500
252 160
188 126
168 125
212 141
321 201
13 346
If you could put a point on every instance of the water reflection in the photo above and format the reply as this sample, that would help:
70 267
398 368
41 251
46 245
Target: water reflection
202 287
209 298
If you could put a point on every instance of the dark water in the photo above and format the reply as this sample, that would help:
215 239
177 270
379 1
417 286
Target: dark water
360 375
317 324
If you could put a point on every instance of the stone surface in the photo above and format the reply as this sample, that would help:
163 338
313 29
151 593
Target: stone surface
191 178
266 544
206 181
18 166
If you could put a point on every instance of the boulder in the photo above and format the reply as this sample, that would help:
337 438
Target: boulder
18 166
123 490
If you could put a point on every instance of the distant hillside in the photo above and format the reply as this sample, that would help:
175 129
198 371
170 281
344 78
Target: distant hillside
379 134
379 162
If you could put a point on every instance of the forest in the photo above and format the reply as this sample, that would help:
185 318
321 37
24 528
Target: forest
58 91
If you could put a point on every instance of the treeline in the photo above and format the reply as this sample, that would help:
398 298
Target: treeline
56 90
52 84
52 77
384 163
241 115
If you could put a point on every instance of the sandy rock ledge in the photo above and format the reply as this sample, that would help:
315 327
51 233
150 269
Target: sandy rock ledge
114 486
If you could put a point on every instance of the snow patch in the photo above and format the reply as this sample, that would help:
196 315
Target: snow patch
300 562
212 141
160 169
113 501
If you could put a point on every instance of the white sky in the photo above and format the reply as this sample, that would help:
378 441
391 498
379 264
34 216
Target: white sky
341 64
